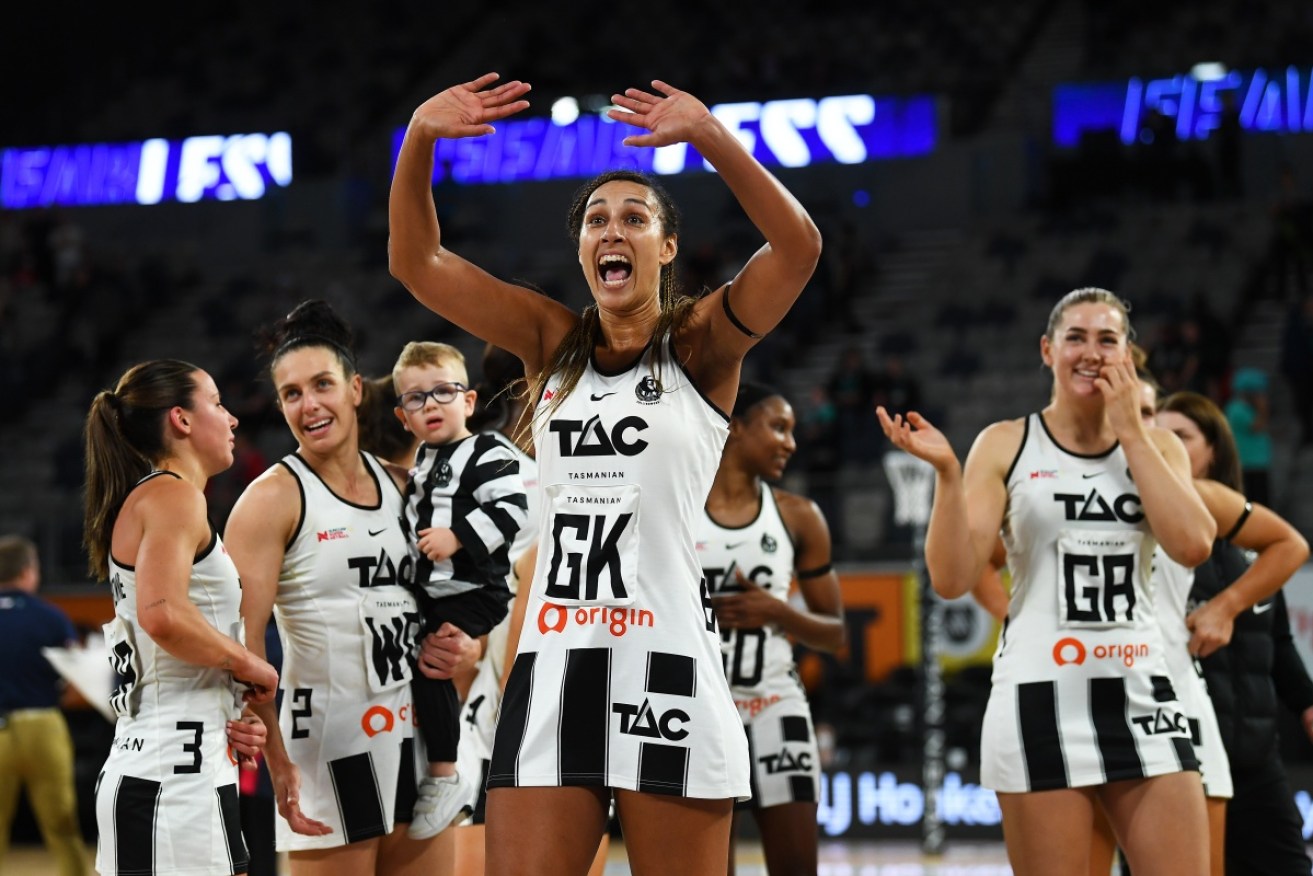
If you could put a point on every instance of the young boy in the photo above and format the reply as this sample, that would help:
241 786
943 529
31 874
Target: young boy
465 502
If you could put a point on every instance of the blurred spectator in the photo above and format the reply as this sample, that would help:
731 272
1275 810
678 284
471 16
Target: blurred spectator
1247 414
36 750
223 490
1297 363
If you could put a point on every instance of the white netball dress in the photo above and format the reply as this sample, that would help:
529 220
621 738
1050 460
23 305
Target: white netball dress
1081 691
1172 583
618 681
759 662
348 625
166 799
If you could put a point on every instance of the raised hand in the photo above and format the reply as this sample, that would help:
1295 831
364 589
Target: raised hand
917 436
670 117
467 110
1120 387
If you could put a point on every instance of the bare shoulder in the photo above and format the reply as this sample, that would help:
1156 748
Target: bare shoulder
998 443
797 509
273 501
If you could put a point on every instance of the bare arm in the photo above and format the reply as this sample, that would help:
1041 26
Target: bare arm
529 325
524 574
174 528
1161 469
1281 551
989 590
969 503
259 529
767 286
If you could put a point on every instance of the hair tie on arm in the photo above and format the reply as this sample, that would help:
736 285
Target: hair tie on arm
816 573
734 320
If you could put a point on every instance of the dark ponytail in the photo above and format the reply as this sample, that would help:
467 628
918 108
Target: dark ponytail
124 438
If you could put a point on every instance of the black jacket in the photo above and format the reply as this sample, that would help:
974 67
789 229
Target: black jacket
1259 667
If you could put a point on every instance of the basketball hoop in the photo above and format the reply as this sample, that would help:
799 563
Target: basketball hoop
913 482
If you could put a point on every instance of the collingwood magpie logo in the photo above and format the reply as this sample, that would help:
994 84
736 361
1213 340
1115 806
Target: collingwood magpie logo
442 477
649 390
768 544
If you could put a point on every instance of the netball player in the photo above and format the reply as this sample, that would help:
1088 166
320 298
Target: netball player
1236 630
1083 492
318 541
166 799
618 684
753 541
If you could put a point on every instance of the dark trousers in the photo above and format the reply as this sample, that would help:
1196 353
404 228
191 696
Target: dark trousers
437 705
1264 833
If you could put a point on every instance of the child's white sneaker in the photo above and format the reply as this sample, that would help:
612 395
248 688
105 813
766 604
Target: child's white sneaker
443 801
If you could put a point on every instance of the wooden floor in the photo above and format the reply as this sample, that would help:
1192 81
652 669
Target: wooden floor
836 859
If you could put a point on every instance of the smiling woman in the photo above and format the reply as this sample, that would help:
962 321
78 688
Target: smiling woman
643 378
318 541
1063 735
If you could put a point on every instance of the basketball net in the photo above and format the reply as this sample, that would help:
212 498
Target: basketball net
913 482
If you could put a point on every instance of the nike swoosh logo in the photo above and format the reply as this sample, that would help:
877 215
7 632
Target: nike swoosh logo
1095 475
378 532
1262 607
600 397
732 546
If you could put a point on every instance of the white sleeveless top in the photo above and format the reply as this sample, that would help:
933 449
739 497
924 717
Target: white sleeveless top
1081 693
618 680
758 663
151 680
346 617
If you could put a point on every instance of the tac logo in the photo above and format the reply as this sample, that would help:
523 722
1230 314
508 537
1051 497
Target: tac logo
768 544
593 438
380 571
648 391
1071 650
442 477
786 762
554 618
334 534
1162 721
1044 473
642 721
1094 508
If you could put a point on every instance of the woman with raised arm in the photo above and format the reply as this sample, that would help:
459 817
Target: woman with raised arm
618 686
1083 491
754 542
318 540
1239 631
166 799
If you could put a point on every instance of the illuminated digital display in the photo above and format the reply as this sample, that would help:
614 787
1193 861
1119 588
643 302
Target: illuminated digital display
236 167
848 129
1278 101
